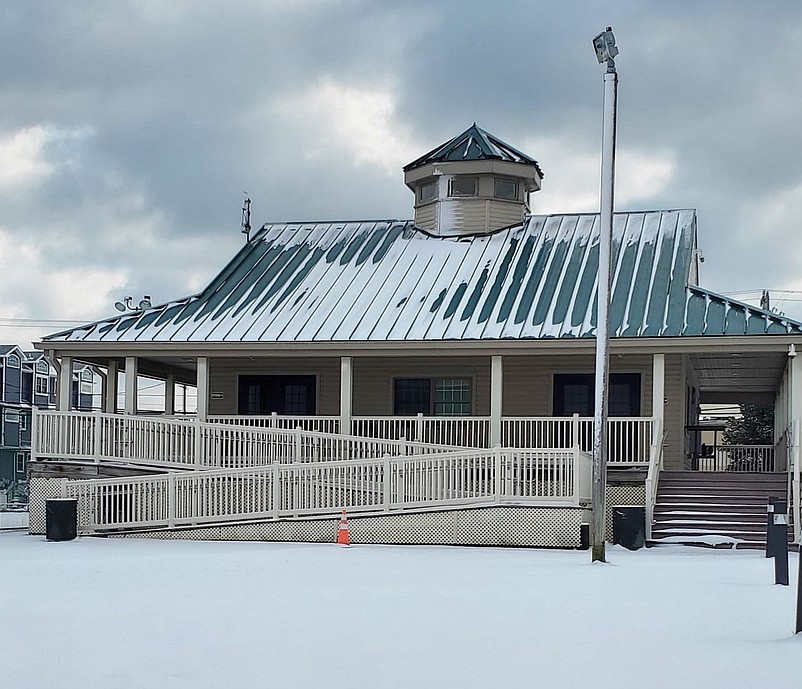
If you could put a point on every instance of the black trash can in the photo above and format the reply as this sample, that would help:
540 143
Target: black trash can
61 519
629 526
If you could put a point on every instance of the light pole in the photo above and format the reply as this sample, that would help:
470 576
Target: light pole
606 50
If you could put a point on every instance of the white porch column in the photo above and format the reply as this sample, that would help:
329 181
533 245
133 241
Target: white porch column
64 398
202 384
496 395
169 395
110 393
346 394
131 384
659 392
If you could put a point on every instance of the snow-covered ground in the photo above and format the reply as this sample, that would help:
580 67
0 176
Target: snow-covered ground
107 613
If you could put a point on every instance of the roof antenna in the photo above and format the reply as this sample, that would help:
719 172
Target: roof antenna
246 218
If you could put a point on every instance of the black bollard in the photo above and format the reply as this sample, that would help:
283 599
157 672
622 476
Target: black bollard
769 530
780 528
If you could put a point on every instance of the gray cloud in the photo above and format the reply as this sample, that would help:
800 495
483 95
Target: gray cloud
153 117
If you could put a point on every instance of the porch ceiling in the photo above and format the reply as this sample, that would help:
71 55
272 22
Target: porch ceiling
739 372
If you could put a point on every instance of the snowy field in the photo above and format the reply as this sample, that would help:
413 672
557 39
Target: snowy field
103 613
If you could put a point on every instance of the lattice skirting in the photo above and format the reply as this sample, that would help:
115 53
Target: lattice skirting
39 490
488 526
491 526
622 495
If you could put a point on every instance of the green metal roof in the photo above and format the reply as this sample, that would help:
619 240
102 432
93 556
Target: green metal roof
473 144
388 281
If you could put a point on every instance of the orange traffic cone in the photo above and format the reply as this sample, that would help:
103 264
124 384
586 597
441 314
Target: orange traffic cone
343 537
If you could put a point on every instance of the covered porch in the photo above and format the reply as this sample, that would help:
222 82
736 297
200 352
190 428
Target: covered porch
464 399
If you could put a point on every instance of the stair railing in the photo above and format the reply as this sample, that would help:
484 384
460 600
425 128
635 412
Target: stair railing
653 474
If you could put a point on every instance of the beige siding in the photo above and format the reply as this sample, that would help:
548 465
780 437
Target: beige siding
528 380
373 380
504 213
426 217
224 373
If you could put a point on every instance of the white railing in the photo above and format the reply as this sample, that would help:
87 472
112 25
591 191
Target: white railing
171 443
457 431
653 475
628 438
320 424
759 458
551 477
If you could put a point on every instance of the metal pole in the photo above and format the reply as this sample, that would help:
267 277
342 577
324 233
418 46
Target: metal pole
603 303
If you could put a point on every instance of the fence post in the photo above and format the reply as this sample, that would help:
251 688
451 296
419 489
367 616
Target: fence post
575 440
198 444
577 469
273 423
276 488
63 487
497 473
297 444
402 446
171 499
98 439
419 428
386 481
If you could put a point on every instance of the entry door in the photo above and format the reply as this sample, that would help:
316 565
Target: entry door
280 394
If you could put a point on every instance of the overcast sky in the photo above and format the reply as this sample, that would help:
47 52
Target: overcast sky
129 130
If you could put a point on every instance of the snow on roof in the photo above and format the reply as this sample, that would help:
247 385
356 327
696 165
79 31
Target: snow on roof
388 281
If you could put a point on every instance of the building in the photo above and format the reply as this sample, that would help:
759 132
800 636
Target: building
470 328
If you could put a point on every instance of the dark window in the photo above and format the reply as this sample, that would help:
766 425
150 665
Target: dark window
427 192
506 189
463 186
574 392
438 396
280 394
13 361
412 396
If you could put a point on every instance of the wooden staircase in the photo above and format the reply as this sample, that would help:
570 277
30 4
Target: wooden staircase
711 508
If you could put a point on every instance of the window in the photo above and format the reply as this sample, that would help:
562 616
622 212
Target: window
452 397
507 189
438 396
427 192
87 384
19 464
281 394
463 186
12 416
41 385
574 394
42 367
23 422
12 360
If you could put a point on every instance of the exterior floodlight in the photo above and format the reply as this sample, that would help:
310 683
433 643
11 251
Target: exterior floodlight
604 45
127 304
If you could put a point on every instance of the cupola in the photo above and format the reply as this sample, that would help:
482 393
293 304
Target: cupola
471 184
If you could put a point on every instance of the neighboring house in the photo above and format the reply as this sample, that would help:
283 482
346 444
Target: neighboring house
473 325
27 380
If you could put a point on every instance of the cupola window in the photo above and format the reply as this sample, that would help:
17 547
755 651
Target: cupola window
463 186
427 192
507 189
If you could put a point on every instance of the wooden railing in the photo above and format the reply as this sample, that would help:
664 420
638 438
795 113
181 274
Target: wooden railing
628 438
552 477
457 431
653 474
628 441
759 458
320 424
173 443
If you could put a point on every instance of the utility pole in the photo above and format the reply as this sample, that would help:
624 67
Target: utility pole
606 50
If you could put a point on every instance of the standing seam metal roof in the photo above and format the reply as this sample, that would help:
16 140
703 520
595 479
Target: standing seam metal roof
388 281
